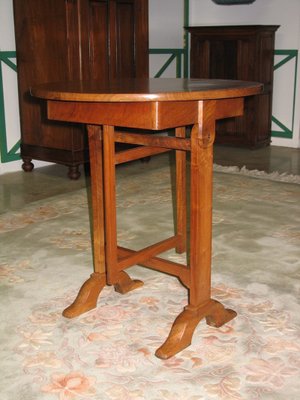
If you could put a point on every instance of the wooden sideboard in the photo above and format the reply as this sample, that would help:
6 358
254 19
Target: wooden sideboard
238 52
73 40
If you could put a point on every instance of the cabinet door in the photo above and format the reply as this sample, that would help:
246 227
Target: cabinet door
95 38
243 53
44 30
131 38
125 38
114 38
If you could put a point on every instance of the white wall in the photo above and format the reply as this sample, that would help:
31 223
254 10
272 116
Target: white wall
7 36
165 31
165 23
7 43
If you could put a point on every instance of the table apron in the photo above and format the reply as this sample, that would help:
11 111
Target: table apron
143 115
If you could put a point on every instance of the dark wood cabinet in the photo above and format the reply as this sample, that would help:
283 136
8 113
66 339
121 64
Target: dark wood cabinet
244 53
60 40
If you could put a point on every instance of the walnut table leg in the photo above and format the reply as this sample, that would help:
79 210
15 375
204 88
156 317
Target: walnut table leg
90 290
200 303
120 279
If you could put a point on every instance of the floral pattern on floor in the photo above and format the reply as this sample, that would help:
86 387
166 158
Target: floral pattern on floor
108 353
111 348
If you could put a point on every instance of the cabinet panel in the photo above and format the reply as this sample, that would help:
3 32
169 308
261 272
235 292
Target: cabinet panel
42 37
98 39
223 50
58 40
72 46
125 39
243 53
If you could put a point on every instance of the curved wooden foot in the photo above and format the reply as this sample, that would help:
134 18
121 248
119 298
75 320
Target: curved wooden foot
185 324
180 335
219 315
126 284
87 297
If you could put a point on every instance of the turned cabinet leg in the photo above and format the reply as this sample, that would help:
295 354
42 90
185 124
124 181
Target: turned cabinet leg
74 172
27 165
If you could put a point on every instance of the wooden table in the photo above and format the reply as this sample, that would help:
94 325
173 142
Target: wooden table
152 104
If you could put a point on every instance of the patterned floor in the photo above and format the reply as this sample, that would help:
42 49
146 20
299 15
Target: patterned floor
108 354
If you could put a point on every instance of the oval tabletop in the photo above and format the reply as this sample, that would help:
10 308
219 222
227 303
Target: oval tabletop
142 90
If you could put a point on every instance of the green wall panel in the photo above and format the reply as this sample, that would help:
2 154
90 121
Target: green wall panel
12 154
282 131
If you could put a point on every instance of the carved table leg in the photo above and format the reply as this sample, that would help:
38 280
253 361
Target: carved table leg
200 303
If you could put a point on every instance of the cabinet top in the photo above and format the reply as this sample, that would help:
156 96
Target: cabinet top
142 90
231 28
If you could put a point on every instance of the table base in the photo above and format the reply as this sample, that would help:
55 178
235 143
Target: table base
110 261
183 327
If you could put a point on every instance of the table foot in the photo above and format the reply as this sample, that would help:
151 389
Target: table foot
219 315
125 284
87 297
180 335
185 324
